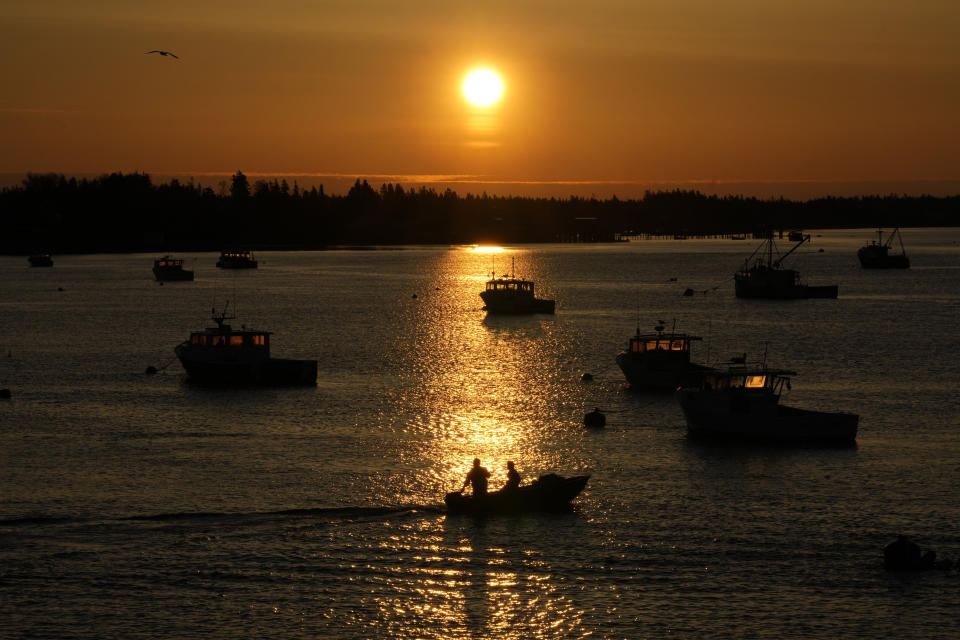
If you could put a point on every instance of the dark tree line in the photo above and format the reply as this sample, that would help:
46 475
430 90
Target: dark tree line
127 212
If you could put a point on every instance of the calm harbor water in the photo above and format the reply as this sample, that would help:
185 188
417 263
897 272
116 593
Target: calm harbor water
139 506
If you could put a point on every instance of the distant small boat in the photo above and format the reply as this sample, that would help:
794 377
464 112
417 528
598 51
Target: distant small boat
548 493
767 279
513 296
659 361
743 403
222 355
795 236
171 269
41 260
876 255
236 259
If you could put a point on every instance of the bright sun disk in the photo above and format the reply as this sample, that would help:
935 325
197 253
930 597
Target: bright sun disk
482 87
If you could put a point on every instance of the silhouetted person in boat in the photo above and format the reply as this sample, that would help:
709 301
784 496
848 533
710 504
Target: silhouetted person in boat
513 478
478 478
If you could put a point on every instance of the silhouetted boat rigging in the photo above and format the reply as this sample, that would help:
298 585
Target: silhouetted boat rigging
876 255
743 402
548 493
171 269
223 355
659 361
513 296
767 279
236 259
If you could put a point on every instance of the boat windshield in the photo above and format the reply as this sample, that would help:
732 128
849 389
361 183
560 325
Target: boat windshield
660 344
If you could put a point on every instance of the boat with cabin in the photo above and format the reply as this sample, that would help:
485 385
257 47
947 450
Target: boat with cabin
512 295
40 260
876 255
167 269
743 403
222 355
549 493
236 259
766 278
659 361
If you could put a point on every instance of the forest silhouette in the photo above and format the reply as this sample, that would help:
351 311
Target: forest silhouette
120 212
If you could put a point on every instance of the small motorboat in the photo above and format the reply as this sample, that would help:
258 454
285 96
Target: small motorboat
547 493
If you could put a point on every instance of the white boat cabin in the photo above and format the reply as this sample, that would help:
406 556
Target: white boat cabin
510 285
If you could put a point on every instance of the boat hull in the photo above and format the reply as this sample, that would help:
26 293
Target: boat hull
779 424
549 493
271 372
516 305
870 259
172 275
776 291
648 373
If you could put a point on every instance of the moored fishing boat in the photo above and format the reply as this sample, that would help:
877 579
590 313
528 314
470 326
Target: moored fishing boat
40 260
876 255
766 278
659 361
743 403
547 493
222 355
236 259
513 296
171 269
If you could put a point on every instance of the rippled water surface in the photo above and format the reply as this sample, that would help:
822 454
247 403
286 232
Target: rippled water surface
141 506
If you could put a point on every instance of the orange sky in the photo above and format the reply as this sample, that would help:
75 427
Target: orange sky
602 97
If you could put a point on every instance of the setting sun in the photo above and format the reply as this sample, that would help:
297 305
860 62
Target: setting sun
482 87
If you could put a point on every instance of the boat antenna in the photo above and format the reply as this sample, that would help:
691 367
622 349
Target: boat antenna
638 311
709 327
766 344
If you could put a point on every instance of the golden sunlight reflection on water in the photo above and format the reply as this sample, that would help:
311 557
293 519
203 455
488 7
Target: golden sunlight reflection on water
457 579
479 386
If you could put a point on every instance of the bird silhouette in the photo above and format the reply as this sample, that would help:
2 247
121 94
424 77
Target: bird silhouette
164 53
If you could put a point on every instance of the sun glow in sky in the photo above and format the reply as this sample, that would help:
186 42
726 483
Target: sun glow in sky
606 97
482 87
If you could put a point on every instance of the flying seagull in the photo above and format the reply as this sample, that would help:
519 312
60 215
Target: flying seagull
164 53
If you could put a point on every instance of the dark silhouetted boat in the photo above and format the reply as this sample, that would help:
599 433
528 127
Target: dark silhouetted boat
743 403
40 260
766 278
170 269
222 355
548 493
236 259
659 361
513 296
876 255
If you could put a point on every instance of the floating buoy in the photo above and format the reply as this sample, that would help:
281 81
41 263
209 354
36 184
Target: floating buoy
587 377
688 293
5 393
151 370
414 295
595 419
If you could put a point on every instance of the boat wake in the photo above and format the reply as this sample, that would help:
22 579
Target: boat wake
339 514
